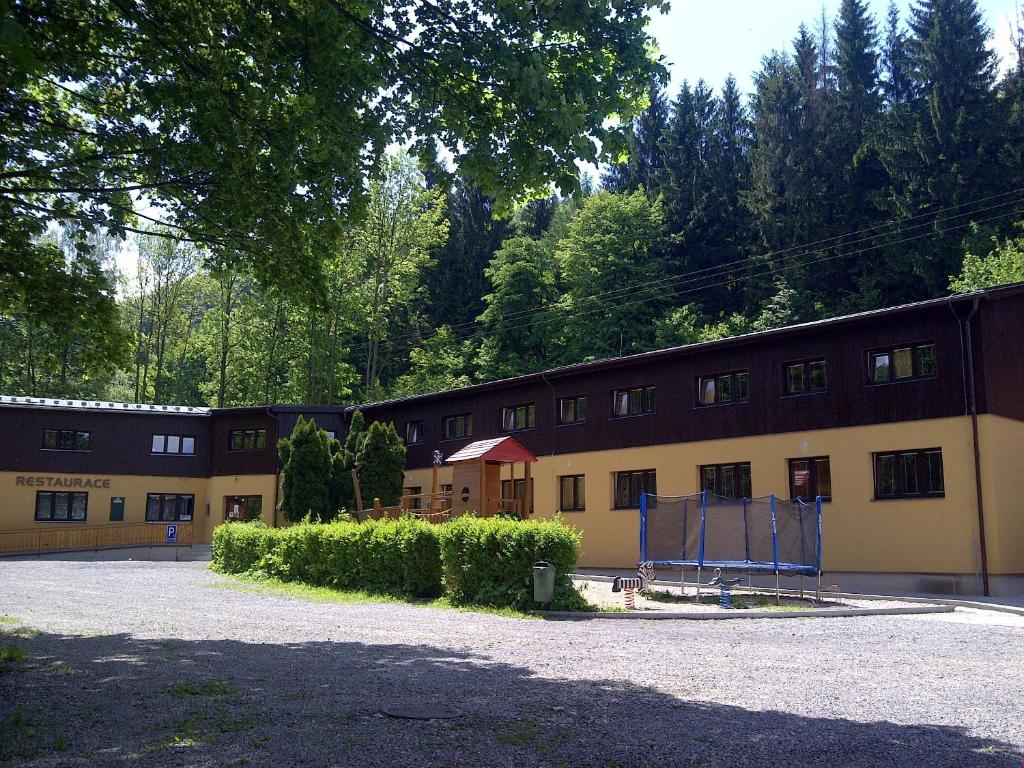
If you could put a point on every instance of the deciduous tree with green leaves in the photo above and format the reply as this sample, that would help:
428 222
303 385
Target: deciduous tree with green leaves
441 362
252 126
517 325
1003 264
613 245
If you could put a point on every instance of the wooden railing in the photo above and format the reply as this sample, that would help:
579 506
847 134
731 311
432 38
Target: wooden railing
432 507
436 507
513 507
49 537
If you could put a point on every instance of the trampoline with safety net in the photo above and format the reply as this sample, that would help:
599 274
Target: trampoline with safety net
766 535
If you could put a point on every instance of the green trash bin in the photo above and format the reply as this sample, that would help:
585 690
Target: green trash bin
543 582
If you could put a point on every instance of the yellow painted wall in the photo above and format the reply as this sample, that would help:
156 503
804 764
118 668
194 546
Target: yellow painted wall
17 502
222 486
925 535
1002 480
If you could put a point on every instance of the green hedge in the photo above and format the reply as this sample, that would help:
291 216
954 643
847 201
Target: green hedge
238 547
483 561
490 561
398 557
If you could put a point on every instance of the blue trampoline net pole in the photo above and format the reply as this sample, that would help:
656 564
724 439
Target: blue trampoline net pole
700 545
643 527
775 548
746 531
818 505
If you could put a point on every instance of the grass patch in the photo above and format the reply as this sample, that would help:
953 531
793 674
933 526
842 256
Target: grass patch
217 689
262 585
521 736
12 654
184 734
8 619
20 734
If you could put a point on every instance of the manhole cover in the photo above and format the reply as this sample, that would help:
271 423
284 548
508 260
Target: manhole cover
416 710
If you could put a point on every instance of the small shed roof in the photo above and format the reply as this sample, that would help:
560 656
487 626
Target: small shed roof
504 449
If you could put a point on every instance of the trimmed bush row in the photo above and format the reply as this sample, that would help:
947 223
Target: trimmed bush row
470 560
396 557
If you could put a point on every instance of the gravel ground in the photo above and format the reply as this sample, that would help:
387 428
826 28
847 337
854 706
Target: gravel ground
158 664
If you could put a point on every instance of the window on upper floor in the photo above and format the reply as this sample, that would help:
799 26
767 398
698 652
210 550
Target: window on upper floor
247 439
730 481
413 432
805 377
572 410
173 444
518 417
66 440
629 485
62 507
723 388
633 401
810 478
913 361
459 425
909 474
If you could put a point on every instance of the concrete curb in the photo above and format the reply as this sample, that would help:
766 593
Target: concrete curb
951 601
746 613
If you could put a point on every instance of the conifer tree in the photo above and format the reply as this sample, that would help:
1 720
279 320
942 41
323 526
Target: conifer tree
952 155
306 462
646 148
896 77
383 465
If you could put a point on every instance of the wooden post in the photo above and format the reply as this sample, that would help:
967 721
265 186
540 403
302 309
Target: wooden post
376 506
527 489
483 490
359 495
433 488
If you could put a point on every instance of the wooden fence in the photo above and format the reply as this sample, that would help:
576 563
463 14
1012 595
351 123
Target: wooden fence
436 507
48 537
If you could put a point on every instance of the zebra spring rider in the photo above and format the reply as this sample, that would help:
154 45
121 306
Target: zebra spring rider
627 584
724 588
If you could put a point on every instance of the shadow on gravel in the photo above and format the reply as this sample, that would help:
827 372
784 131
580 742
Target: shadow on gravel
115 700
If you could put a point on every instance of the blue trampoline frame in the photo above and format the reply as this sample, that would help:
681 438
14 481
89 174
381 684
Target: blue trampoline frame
748 566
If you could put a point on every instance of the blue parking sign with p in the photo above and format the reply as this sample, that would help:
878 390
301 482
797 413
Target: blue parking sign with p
172 534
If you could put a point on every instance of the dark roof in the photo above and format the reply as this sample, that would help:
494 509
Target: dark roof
102 405
997 292
987 294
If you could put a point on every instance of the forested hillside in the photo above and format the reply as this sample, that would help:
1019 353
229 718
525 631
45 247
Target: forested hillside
871 158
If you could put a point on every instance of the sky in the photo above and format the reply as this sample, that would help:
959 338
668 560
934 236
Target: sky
712 38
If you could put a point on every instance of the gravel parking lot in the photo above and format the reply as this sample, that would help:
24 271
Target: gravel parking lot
160 663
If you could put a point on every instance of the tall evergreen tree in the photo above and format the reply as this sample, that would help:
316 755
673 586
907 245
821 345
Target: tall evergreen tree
455 279
896 77
859 178
306 469
951 155
646 147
